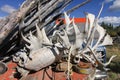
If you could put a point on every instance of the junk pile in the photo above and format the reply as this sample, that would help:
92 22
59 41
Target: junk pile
33 40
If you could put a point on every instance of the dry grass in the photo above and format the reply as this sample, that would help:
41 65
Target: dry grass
115 65
113 50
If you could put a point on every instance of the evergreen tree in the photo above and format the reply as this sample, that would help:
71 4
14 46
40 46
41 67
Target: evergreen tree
110 29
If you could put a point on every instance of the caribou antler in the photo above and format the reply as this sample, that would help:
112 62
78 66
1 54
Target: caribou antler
101 32
79 36
65 39
107 41
103 64
68 22
90 18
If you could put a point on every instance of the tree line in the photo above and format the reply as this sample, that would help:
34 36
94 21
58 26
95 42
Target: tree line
113 31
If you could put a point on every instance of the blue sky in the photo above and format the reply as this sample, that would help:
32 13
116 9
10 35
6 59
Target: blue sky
110 13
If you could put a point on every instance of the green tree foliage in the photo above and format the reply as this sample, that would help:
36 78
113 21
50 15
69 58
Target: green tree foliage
111 30
117 29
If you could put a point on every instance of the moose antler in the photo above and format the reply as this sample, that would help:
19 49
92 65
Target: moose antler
37 42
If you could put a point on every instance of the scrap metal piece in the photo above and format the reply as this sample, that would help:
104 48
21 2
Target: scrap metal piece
3 68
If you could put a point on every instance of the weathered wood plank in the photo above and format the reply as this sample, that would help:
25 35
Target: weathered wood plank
42 12
14 19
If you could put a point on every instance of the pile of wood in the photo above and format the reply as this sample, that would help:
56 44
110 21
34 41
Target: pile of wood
41 12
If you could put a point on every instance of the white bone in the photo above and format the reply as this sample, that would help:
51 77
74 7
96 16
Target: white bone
45 38
34 42
32 37
28 46
89 29
102 64
100 10
88 58
25 39
91 19
86 24
111 58
55 25
65 39
58 45
101 32
107 41
39 33
79 36
68 21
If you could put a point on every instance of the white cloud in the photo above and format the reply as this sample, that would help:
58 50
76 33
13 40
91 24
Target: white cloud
115 5
110 19
7 8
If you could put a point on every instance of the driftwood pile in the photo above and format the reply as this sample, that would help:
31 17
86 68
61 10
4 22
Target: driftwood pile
41 12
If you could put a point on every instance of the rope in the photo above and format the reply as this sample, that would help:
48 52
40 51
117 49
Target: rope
69 57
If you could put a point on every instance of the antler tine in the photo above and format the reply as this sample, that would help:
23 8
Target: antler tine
103 64
65 39
88 58
107 41
68 21
31 36
79 36
90 32
111 58
29 47
56 31
100 10
91 19
86 24
45 38
39 33
101 32
24 38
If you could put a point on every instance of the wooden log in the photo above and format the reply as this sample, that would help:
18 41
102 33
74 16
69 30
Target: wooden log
42 12
14 19
49 19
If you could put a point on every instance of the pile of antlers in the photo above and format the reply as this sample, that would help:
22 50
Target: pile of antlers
41 47
42 50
